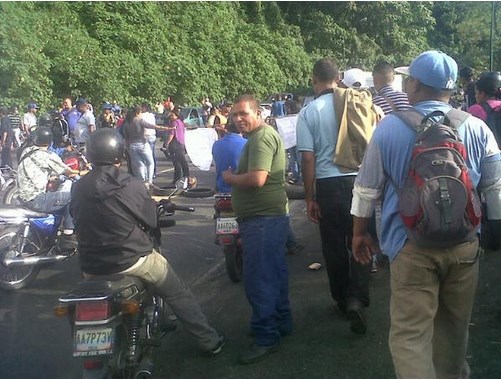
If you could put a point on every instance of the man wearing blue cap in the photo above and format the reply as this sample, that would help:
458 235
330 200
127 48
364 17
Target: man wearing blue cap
432 290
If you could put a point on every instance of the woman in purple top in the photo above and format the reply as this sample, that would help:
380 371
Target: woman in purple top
176 148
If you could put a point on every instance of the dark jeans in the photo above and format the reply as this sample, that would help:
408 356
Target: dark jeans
266 276
348 279
6 154
177 154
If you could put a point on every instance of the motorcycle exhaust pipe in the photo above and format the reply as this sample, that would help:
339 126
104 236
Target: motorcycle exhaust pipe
35 260
145 370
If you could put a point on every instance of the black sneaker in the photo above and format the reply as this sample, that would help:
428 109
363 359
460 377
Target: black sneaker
219 346
356 314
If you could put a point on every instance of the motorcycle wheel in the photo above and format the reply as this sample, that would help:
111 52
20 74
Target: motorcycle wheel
11 196
17 277
234 262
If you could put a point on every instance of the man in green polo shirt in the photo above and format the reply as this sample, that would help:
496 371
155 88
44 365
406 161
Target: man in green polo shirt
260 203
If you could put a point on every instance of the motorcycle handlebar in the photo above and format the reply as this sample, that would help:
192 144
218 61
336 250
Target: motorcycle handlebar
184 208
170 207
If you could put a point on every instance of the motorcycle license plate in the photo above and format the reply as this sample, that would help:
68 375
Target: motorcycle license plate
225 226
92 342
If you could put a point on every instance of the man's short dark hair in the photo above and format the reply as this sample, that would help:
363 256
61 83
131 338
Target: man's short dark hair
384 68
325 70
250 99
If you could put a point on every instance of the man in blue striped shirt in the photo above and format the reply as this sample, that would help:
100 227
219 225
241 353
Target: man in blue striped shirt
387 97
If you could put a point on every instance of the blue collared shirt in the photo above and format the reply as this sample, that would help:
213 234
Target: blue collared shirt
386 163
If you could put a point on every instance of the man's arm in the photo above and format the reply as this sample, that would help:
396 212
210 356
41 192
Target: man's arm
308 171
251 179
367 189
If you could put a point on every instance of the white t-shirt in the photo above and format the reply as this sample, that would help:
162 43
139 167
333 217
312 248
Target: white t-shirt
29 120
150 119
82 128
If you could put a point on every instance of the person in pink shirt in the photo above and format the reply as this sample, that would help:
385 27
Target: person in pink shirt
175 145
487 90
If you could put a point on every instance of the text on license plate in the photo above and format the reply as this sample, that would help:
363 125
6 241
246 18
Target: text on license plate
91 342
226 226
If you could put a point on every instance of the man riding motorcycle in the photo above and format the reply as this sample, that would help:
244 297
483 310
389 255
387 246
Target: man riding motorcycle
36 166
114 220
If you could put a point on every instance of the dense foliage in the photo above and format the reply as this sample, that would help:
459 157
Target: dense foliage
134 51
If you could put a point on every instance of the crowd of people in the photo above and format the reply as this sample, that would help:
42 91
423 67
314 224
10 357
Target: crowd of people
354 145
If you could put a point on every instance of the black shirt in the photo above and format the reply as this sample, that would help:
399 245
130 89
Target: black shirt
113 215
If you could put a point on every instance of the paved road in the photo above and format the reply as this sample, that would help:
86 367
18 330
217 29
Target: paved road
37 345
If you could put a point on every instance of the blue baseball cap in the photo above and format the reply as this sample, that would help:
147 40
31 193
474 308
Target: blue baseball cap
32 106
433 68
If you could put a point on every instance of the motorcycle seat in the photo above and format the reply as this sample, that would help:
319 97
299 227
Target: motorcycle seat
105 287
14 211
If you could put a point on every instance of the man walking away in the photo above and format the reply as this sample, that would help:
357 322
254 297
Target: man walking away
432 289
389 99
328 192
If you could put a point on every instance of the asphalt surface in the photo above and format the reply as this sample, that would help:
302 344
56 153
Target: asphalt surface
37 345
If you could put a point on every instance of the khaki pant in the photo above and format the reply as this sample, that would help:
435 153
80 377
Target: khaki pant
155 270
432 294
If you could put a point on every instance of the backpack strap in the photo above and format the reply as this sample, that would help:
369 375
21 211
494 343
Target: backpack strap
413 119
486 107
456 118
390 102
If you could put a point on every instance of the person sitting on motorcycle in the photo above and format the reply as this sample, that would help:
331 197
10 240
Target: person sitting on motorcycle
115 219
35 168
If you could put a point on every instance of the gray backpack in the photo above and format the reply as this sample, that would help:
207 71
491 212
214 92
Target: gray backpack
438 202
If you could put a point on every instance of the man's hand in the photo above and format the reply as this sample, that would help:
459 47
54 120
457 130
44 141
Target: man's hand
313 211
363 247
228 175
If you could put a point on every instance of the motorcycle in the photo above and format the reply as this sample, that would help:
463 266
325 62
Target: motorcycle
74 158
28 240
227 235
116 323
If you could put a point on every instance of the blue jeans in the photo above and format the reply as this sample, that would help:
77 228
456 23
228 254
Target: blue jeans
141 159
152 139
266 276
56 202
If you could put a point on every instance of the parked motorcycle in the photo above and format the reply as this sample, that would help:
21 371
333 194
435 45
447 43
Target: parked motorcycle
227 235
27 241
116 322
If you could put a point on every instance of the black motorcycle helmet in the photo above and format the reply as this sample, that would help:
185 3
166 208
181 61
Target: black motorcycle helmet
43 136
105 147
490 84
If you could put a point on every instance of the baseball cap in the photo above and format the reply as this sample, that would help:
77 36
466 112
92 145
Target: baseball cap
433 68
352 76
80 101
32 106
107 106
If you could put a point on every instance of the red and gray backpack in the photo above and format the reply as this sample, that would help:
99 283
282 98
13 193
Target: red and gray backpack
438 202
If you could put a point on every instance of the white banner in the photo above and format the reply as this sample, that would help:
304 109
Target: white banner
199 146
287 130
